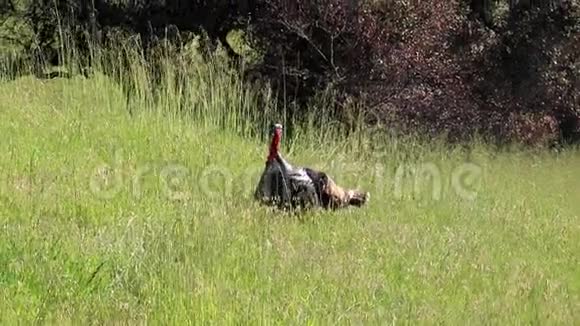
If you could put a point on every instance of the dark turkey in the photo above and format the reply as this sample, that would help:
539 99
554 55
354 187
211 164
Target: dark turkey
287 186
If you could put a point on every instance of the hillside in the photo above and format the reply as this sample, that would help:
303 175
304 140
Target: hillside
109 216
134 133
502 70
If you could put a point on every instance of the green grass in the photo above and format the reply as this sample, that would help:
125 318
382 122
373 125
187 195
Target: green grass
110 217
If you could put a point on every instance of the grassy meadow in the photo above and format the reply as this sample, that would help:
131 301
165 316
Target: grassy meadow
110 215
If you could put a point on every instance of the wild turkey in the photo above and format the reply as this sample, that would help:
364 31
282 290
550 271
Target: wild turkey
282 184
286 186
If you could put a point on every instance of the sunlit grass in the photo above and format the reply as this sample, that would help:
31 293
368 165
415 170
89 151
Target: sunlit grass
127 211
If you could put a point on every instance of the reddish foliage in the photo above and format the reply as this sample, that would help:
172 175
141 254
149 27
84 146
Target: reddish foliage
427 66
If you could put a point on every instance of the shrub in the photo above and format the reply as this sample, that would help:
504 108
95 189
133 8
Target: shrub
429 66
458 68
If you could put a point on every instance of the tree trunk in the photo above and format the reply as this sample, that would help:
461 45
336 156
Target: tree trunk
483 9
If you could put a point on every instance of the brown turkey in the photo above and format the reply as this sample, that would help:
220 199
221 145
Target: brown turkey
286 186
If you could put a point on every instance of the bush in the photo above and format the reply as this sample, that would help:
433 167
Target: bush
458 68
430 67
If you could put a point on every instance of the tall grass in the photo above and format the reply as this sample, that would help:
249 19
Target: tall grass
126 197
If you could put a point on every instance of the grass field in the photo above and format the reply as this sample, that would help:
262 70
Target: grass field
109 217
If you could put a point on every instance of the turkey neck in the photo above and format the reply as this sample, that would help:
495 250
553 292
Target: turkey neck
275 156
274 146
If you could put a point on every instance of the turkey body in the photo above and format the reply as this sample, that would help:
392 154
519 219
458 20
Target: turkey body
286 186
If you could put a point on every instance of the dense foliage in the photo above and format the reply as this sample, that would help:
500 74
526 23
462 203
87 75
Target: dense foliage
508 70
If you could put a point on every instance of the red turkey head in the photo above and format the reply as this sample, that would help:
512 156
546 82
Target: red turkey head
275 144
